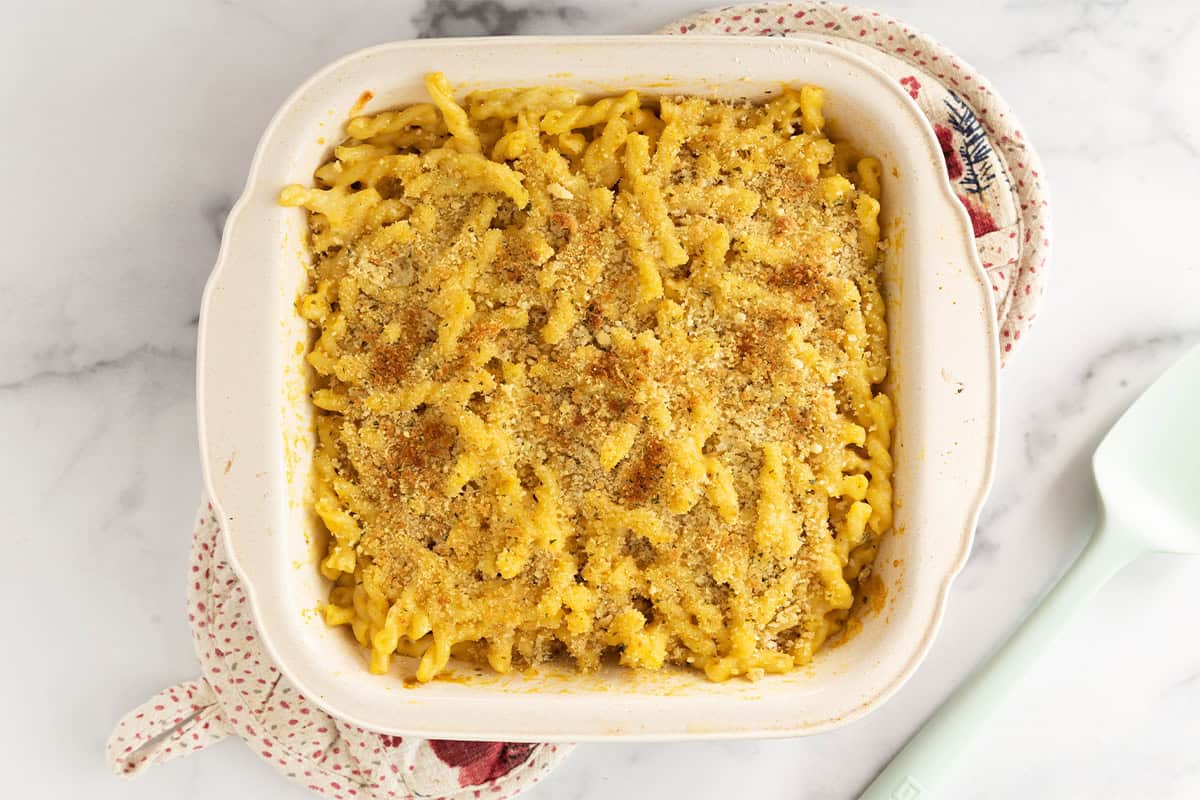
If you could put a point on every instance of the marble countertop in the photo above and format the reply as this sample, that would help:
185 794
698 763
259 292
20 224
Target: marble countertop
128 132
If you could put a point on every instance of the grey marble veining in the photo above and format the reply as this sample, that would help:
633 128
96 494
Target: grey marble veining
437 18
129 132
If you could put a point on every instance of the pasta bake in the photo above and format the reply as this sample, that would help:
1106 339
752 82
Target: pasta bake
597 379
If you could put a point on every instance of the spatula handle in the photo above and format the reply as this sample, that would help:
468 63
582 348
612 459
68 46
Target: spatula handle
916 769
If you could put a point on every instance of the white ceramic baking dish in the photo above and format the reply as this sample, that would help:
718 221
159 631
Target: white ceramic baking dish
255 421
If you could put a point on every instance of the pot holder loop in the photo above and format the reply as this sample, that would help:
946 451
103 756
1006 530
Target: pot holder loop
176 721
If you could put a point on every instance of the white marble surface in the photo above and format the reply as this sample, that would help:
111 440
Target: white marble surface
127 133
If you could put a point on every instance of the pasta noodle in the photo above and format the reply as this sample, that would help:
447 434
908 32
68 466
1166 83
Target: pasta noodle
597 380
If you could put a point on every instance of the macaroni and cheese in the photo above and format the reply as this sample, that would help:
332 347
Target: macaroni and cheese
597 379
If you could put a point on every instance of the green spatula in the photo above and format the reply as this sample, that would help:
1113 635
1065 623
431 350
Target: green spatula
1148 473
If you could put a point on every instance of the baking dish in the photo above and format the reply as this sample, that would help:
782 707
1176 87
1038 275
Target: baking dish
255 421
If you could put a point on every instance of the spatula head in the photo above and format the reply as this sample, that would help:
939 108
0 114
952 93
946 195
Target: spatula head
1148 467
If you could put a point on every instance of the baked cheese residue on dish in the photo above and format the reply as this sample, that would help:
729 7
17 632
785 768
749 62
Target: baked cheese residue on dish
597 379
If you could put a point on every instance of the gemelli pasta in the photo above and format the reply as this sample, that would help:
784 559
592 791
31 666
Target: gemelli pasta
597 379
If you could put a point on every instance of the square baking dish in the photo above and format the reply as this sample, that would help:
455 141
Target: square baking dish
255 420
